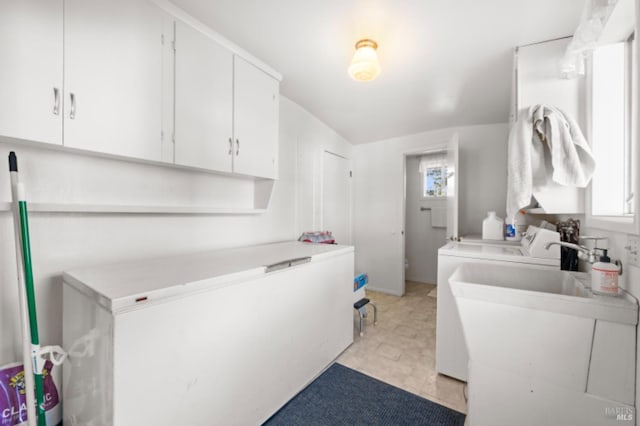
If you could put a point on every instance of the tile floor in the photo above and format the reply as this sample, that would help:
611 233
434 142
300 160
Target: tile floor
400 349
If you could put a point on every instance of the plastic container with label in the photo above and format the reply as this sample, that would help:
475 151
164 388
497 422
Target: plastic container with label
493 227
515 227
604 276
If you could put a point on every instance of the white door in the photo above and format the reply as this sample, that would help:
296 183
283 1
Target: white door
453 190
113 77
255 118
203 101
31 70
336 197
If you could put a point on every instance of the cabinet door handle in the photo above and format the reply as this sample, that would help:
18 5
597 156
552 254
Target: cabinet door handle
72 110
56 101
230 146
287 264
237 146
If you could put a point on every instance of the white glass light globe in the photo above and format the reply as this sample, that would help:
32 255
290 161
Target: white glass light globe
364 65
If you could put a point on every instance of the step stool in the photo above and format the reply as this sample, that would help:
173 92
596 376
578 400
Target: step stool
361 307
359 284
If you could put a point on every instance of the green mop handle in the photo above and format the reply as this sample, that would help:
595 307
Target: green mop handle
31 296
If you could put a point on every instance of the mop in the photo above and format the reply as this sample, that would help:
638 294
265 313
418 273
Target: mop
24 317
33 362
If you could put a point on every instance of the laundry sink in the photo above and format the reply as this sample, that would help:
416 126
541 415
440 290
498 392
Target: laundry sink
543 349
538 280
542 289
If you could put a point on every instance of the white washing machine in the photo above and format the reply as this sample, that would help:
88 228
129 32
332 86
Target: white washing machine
451 349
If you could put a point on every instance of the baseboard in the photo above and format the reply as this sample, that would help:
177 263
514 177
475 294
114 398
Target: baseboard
383 290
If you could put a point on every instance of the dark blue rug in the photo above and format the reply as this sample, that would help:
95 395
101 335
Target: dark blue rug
342 396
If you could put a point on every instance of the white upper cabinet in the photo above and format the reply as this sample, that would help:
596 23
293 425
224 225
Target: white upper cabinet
226 109
31 70
255 113
113 77
203 101
538 81
138 79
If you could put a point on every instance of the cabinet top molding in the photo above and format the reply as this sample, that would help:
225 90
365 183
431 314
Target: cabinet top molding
179 13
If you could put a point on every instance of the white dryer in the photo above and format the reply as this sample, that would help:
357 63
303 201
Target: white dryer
451 349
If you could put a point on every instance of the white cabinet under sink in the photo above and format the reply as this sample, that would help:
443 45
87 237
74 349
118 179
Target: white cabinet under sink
543 349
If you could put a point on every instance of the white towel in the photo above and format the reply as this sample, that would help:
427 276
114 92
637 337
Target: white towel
546 147
438 217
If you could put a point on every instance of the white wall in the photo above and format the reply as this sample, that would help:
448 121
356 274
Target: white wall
378 193
313 138
421 239
64 241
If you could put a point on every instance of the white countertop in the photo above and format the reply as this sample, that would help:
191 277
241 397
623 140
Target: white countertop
481 282
117 286
477 239
490 251
624 301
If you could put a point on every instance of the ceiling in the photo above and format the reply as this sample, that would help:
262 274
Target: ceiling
444 63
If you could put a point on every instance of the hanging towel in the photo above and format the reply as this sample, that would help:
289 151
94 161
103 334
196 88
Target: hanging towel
546 148
438 217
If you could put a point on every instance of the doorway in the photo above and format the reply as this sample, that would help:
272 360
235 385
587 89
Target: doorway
336 196
430 208
425 222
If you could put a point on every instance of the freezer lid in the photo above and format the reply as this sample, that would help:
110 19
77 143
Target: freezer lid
137 283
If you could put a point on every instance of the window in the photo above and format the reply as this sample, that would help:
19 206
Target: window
612 188
433 168
435 182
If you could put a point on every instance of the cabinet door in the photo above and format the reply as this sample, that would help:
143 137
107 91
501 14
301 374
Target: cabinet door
539 80
31 70
203 101
113 77
256 103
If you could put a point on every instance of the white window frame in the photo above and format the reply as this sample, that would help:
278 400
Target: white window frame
624 223
424 182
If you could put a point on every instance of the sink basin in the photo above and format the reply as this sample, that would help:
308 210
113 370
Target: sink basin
541 289
537 280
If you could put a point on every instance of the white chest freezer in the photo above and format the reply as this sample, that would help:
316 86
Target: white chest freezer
203 339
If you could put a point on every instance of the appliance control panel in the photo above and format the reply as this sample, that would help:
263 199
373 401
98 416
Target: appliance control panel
535 240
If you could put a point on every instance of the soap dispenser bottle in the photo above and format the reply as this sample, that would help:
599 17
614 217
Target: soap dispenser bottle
604 276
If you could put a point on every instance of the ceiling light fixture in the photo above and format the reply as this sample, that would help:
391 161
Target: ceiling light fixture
364 65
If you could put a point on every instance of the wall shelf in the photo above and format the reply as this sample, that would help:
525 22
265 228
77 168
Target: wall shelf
131 209
536 210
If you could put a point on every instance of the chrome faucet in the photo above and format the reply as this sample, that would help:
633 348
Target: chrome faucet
588 255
